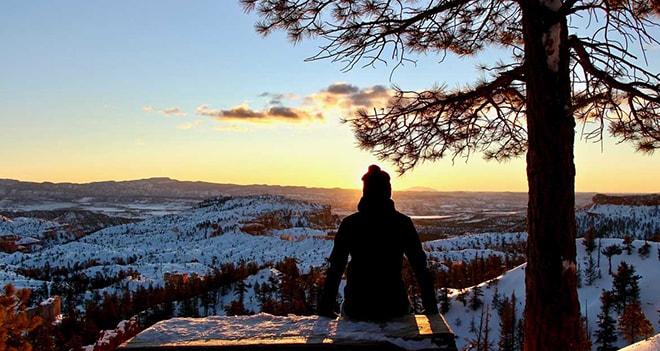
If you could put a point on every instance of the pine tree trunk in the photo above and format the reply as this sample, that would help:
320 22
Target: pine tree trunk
552 307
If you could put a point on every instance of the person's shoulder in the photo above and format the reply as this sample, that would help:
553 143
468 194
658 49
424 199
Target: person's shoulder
352 217
402 216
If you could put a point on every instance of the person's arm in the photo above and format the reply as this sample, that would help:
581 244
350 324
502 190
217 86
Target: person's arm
417 259
337 260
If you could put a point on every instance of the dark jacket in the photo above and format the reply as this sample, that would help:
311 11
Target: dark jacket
376 238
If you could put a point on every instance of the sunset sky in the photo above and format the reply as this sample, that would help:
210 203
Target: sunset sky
121 90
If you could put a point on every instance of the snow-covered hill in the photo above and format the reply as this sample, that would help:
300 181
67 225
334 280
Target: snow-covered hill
266 229
464 320
620 216
192 241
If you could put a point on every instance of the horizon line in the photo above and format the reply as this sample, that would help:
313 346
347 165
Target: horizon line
408 189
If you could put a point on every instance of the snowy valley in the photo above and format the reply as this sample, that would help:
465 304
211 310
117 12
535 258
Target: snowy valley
245 253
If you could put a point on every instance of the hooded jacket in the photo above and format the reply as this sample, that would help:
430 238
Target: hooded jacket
376 237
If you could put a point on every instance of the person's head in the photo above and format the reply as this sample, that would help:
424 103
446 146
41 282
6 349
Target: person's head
376 184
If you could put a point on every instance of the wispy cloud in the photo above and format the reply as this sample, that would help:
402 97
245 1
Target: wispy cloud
204 110
190 125
170 111
278 98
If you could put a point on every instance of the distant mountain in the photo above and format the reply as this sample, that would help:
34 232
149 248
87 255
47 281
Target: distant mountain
151 187
147 197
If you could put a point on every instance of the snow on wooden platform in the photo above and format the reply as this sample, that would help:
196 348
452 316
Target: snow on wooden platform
267 332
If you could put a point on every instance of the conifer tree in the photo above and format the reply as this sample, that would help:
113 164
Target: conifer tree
633 324
628 244
481 340
625 286
605 335
645 250
528 105
475 298
14 322
444 300
508 322
520 334
585 337
589 239
590 271
610 251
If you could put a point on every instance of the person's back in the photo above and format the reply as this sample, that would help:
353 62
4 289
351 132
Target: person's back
376 238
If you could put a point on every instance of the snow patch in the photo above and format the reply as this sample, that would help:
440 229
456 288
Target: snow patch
650 344
263 326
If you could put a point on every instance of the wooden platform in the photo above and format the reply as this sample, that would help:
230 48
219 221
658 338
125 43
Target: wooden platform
267 332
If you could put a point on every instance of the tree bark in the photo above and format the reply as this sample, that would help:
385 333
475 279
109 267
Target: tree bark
552 307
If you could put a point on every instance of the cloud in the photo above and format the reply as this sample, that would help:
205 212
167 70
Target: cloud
174 111
339 99
348 97
190 125
272 114
342 88
277 98
170 111
203 110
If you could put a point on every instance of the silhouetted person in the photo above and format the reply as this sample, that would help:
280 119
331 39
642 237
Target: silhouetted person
376 237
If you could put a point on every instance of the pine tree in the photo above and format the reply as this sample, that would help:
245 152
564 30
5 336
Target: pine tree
508 322
628 244
444 300
486 343
475 298
589 239
590 271
236 308
14 322
520 335
578 275
645 250
633 324
625 286
610 251
481 341
497 301
585 339
605 335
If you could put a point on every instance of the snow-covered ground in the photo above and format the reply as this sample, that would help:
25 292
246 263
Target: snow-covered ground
262 327
191 241
462 319
651 344
197 239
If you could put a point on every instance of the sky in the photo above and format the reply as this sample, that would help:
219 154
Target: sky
122 90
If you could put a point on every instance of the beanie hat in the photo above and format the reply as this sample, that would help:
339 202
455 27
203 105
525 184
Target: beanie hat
376 184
